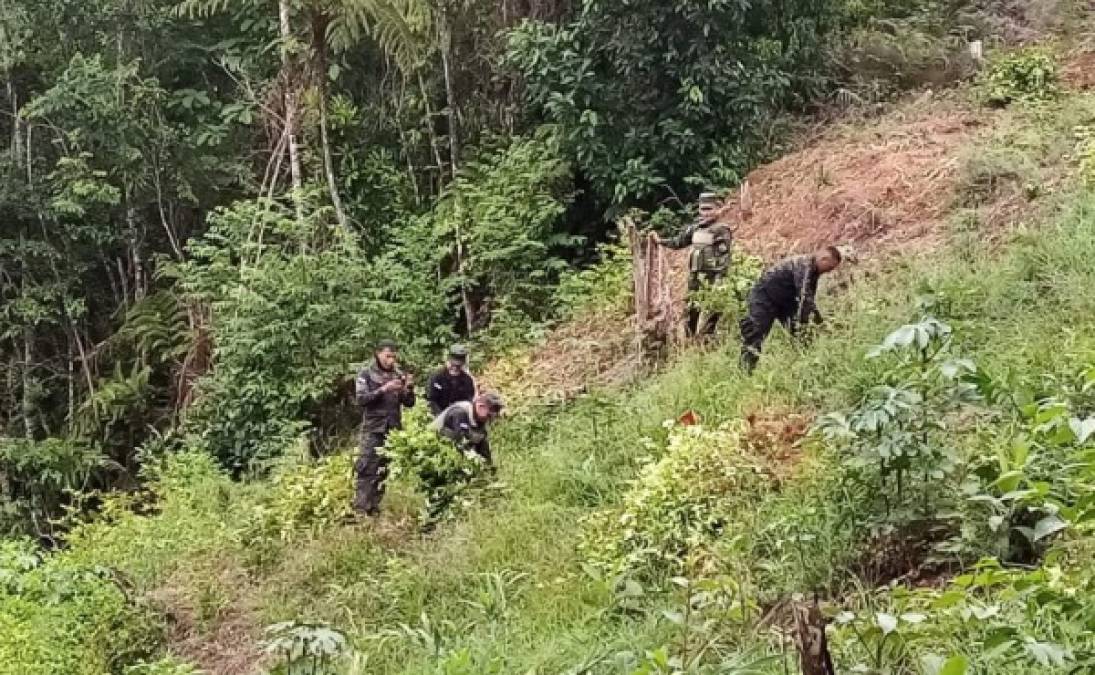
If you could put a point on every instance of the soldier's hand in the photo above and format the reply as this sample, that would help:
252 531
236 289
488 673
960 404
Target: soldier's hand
392 385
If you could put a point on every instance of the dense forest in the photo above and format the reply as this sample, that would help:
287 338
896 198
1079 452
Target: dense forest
212 210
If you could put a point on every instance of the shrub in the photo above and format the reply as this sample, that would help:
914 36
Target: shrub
293 303
431 463
679 504
1022 75
35 477
603 286
59 617
302 498
729 296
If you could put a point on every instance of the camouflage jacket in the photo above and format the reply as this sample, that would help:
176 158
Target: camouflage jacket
711 244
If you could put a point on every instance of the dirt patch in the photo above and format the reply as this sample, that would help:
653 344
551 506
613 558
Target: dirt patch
210 622
889 185
586 353
775 436
905 558
1079 72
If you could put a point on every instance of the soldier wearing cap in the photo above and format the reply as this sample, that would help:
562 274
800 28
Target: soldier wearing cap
709 261
382 392
465 423
452 383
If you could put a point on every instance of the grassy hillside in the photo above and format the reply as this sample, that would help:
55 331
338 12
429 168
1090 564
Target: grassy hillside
942 520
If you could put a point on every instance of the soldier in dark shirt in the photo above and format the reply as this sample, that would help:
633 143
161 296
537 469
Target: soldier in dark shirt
785 293
382 392
452 383
465 423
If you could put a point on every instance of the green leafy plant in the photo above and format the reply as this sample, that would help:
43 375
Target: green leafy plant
729 296
1022 75
678 506
432 464
306 648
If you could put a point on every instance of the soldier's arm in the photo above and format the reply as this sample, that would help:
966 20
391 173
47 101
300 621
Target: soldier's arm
365 389
433 393
805 289
684 239
408 397
483 450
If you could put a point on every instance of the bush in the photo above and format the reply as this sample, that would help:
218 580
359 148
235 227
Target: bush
292 304
36 477
1023 75
431 463
678 506
59 617
601 287
303 498
730 295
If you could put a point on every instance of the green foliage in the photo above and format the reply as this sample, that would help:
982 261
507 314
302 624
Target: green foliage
644 96
58 617
433 464
309 497
168 665
293 304
1085 153
1022 75
502 211
897 441
730 295
190 496
601 287
37 477
306 649
678 506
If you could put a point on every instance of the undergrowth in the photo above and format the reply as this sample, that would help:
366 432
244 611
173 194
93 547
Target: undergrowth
940 508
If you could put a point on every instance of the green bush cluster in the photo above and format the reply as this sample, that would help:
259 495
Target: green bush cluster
678 507
729 296
302 498
1029 74
432 464
61 617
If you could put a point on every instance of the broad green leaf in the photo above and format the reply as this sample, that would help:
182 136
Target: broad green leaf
955 665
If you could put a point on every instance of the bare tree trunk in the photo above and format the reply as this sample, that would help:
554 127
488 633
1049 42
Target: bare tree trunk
16 127
433 135
450 92
328 164
319 52
28 383
290 97
813 648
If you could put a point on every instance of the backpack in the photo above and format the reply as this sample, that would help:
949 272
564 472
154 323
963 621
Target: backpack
711 249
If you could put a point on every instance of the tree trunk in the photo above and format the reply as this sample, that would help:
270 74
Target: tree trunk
16 128
290 98
450 92
319 52
28 383
813 648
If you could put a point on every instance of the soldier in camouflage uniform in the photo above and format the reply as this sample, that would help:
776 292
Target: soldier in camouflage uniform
382 392
709 261
785 293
